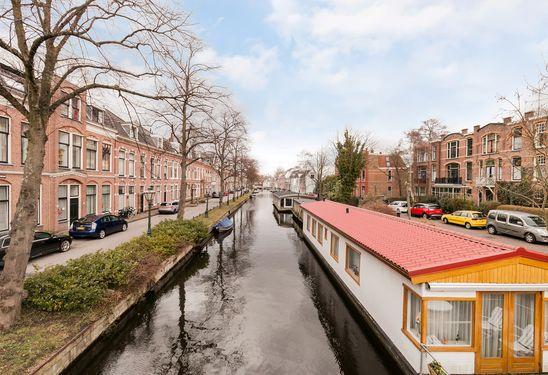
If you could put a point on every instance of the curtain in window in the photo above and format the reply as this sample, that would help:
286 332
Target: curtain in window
491 320
449 323
524 324
4 208
414 307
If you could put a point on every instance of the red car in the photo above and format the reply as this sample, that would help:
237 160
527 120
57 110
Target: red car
427 210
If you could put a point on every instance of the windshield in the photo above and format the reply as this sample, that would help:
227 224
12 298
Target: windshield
164 204
433 206
476 215
88 219
535 221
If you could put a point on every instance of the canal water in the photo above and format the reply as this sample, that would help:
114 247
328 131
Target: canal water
257 302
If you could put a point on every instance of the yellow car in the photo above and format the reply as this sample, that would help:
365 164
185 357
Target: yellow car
470 219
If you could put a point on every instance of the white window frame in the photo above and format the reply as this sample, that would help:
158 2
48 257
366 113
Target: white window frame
8 218
120 159
8 143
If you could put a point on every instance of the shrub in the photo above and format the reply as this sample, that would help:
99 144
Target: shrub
456 204
82 282
485 207
530 210
379 207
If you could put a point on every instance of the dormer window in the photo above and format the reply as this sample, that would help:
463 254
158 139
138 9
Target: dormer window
71 108
95 114
133 132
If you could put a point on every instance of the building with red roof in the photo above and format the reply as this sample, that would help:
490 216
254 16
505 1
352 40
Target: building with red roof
475 305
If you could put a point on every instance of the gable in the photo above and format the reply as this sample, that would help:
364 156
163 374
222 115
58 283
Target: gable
516 270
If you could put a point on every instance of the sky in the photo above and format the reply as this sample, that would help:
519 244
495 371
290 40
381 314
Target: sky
304 70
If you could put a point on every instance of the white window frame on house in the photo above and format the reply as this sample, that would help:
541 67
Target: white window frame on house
540 163
131 195
142 166
105 146
103 195
469 146
469 171
121 163
452 149
91 199
76 150
490 143
443 329
91 154
24 141
5 141
121 196
516 168
68 106
540 130
39 206
434 172
517 139
7 203
434 153
65 207
131 164
91 111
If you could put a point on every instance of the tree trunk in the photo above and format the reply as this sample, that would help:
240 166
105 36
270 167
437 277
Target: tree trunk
222 193
182 192
22 226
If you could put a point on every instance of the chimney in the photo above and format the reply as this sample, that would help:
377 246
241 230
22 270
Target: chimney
507 120
464 131
347 210
528 114
476 128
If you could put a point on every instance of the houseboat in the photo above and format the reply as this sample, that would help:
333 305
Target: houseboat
297 210
472 305
283 200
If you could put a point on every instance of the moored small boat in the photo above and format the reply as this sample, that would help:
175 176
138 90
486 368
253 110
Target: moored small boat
224 225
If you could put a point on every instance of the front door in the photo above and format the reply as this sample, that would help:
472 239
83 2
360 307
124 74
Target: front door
508 332
74 203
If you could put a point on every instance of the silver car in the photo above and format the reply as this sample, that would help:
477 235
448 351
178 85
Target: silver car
530 227
171 207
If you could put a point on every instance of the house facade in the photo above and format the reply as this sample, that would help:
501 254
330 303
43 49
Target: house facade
469 164
95 162
384 176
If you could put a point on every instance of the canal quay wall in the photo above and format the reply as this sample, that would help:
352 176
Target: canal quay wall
87 337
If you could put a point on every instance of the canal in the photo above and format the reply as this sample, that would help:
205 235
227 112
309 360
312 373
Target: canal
257 302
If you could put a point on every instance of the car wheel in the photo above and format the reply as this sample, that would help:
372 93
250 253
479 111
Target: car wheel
530 238
491 229
424 216
102 234
445 221
64 246
467 226
124 227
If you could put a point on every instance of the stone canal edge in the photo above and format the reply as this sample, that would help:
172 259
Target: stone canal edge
78 344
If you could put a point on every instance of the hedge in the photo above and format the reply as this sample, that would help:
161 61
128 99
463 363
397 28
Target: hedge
81 283
530 210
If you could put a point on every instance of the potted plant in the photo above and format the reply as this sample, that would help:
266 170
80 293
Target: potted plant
435 368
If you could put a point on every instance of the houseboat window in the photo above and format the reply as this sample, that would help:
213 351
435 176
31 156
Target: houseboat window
449 323
313 228
414 310
545 323
320 233
524 324
334 248
288 202
325 234
308 223
353 263
491 323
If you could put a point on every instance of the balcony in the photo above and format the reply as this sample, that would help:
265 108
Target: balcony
486 181
448 181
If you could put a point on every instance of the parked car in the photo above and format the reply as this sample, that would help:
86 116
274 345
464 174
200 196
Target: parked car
43 243
214 195
426 210
169 207
530 227
470 219
97 226
399 206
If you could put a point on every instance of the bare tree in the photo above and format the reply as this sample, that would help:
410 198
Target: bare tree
188 115
318 163
530 114
46 45
236 156
224 134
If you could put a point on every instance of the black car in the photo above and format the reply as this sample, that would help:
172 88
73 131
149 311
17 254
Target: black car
97 226
43 243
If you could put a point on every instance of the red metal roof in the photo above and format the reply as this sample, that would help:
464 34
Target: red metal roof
413 248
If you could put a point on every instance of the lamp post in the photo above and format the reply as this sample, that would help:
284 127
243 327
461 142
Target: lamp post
149 195
206 214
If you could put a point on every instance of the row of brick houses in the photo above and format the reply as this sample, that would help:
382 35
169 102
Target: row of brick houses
95 162
384 176
469 164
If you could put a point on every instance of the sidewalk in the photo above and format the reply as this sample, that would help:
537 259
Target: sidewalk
135 228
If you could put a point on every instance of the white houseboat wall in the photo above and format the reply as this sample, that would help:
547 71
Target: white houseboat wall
283 200
479 307
297 209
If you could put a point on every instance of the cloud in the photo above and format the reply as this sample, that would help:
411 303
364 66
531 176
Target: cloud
251 71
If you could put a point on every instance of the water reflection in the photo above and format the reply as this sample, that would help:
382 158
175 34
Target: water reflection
255 302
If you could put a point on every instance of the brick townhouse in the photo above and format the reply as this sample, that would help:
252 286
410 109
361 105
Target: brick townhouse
95 162
383 176
469 164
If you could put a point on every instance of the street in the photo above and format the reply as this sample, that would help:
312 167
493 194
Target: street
86 246
482 233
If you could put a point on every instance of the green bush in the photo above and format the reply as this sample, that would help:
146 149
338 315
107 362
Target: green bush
82 282
449 205
487 206
530 210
